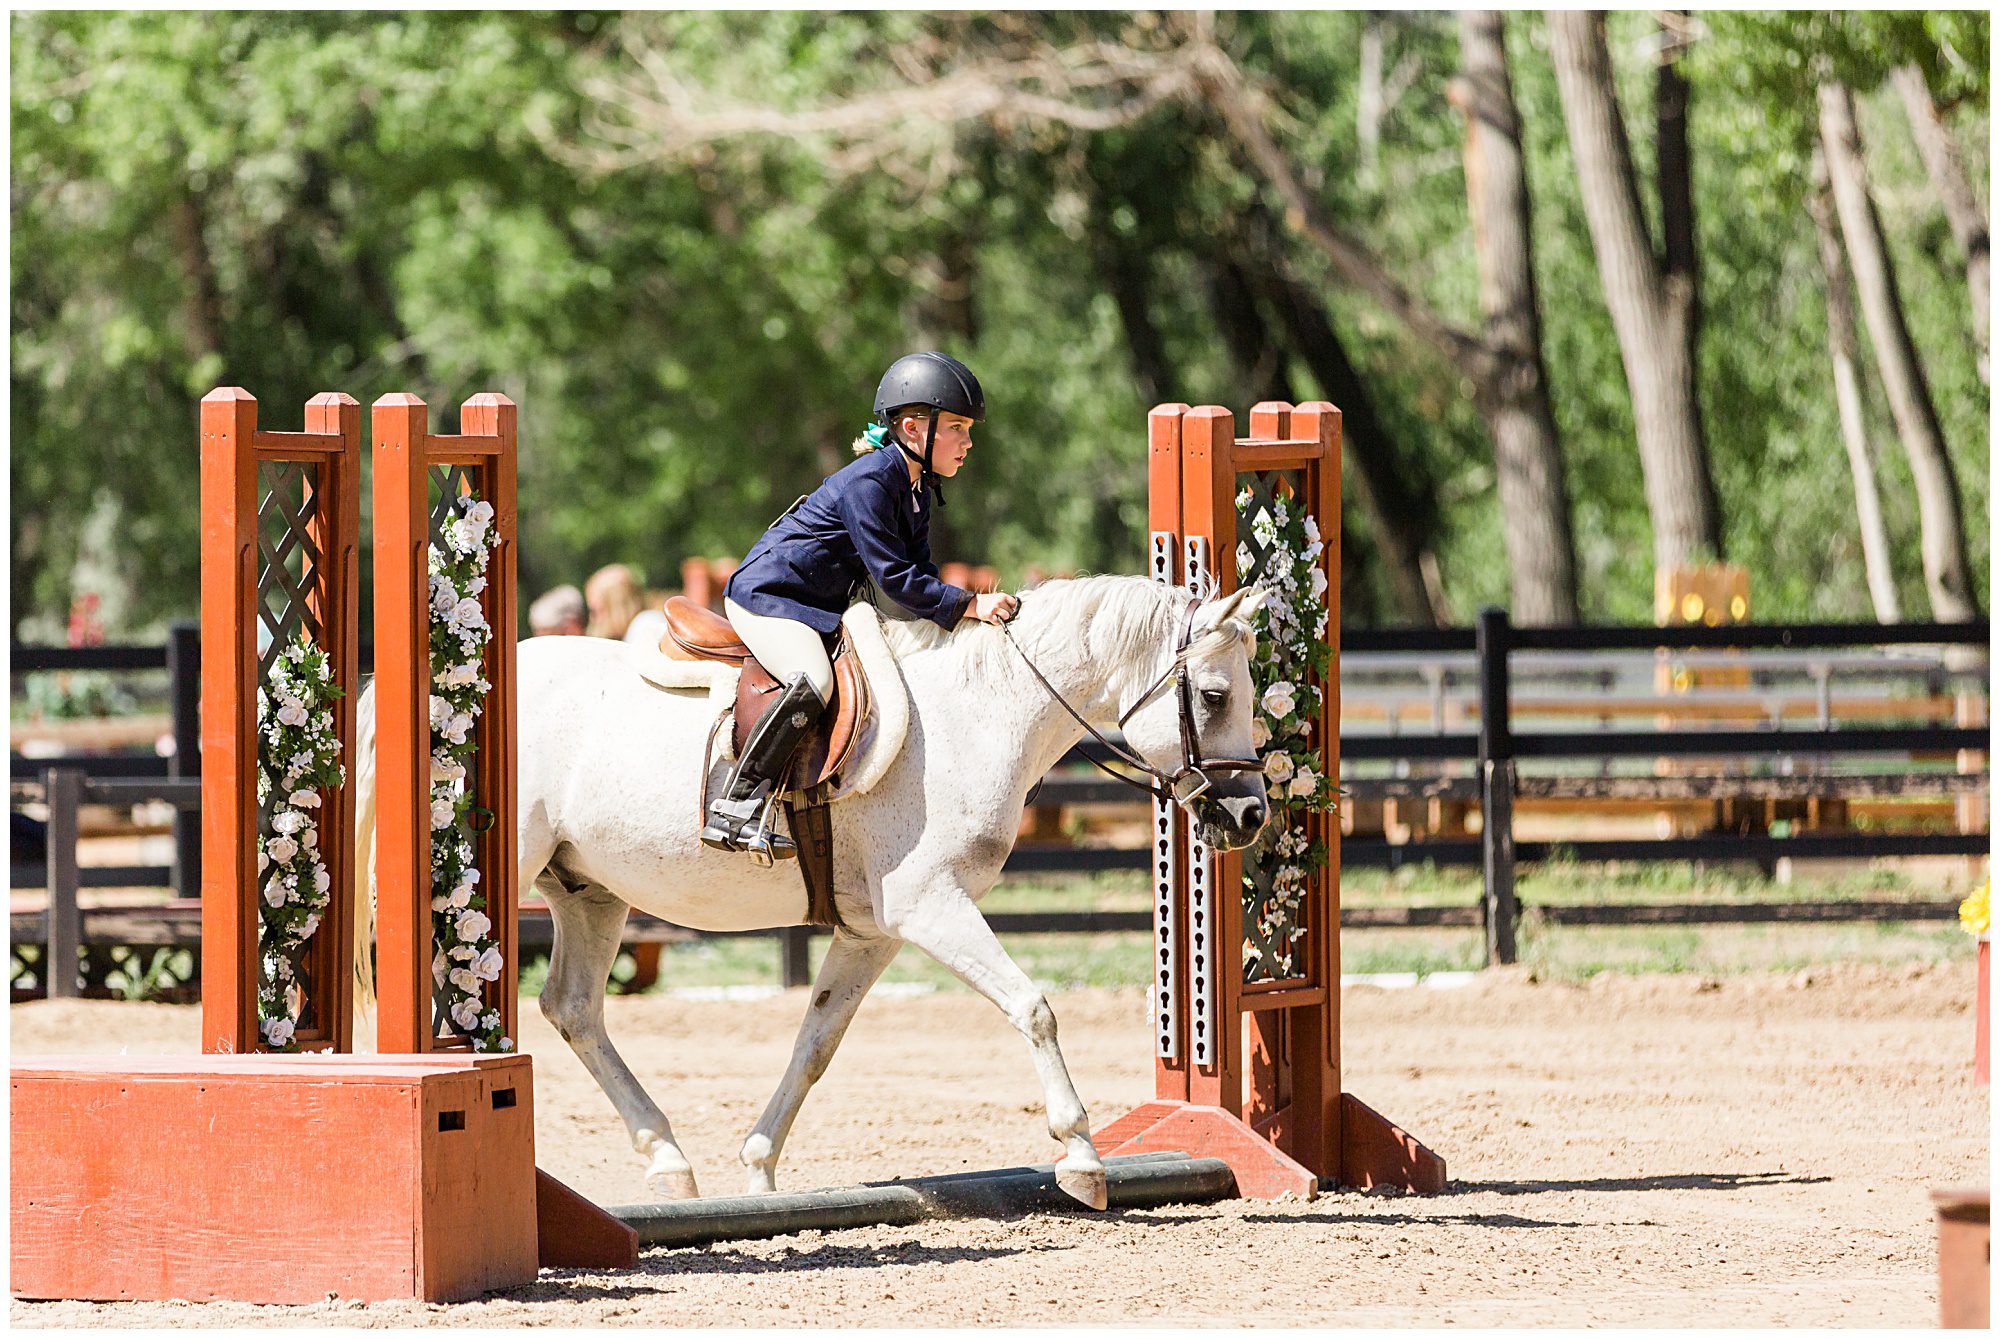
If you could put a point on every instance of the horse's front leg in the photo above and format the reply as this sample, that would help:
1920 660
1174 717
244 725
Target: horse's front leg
946 925
852 965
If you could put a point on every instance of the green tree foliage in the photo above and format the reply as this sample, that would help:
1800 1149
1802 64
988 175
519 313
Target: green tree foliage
369 202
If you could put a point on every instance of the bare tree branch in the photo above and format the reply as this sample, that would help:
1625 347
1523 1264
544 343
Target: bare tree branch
652 114
1244 108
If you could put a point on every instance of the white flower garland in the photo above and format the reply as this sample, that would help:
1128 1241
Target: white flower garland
1291 652
466 956
298 755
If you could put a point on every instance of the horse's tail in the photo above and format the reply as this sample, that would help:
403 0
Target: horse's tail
364 867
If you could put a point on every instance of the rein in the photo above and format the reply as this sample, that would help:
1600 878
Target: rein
1193 764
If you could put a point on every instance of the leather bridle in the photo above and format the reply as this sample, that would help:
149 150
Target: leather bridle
1193 766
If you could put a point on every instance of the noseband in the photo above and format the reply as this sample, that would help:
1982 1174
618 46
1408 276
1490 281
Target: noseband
1194 768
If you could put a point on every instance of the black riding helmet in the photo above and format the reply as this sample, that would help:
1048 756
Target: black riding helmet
936 381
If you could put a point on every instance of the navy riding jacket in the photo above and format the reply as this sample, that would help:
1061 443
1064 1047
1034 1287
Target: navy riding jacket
865 520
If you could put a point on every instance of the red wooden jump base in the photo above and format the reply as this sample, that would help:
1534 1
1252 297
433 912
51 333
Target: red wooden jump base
1247 1043
251 1176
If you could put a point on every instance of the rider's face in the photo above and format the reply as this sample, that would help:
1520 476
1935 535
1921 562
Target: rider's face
954 440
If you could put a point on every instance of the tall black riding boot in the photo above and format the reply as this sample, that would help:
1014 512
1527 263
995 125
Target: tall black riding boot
739 819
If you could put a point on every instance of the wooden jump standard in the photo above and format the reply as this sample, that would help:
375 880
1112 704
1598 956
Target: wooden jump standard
1247 1043
252 1176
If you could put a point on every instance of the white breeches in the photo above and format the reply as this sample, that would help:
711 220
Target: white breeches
785 647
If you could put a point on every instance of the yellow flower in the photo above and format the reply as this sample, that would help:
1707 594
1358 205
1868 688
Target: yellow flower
1975 913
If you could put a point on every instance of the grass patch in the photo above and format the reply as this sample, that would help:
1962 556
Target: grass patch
1575 953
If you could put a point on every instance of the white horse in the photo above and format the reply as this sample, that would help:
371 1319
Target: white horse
609 778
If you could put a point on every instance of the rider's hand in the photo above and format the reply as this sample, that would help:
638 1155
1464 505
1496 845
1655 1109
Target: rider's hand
998 607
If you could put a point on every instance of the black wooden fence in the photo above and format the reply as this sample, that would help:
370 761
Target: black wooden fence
1493 752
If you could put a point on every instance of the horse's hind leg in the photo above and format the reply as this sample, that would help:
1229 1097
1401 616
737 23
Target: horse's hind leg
589 922
852 965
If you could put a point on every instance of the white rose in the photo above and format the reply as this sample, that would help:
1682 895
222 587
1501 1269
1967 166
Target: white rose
489 965
445 768
287 821
440 814
1278 767
465 953
457 728
277 1031
304 799
466 533
1260 733
461 896
274 892
442 902
282 849
1312 529
464 980
461 674
311 924
443 597
480 511
322 880
440 711
291 714
263 862
1279 700
1304 782
311 838
1319 582
466 1014
467 614
473 925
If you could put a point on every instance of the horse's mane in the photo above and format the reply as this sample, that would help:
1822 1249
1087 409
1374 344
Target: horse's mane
1119 620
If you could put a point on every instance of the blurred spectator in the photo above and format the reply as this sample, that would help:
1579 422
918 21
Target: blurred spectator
615 598
560 613
618 607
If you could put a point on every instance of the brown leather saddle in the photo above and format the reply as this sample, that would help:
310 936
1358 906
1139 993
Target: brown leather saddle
695 632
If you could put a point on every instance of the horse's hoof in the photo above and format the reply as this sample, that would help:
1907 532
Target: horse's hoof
673 1184
1087 1188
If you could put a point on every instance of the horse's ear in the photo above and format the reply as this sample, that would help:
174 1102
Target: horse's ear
1241 605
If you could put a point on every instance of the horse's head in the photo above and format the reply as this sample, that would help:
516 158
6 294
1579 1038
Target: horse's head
1199 727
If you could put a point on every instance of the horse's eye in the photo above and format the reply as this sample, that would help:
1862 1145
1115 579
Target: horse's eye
1214 697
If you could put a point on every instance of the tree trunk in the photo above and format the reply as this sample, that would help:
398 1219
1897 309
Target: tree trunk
1961 205
1847 395
1947 570
1534 501
1395 498
1674 170
1652 308
204 301
1127 273
1368 101
1258 360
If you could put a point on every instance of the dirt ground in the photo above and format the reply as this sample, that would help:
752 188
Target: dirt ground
1638 1151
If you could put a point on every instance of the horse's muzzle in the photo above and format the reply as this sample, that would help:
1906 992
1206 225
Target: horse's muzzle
1230 822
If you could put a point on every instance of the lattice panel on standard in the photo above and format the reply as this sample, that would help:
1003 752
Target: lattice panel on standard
290 572
289 561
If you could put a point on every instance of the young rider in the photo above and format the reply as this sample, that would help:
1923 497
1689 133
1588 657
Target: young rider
870 520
